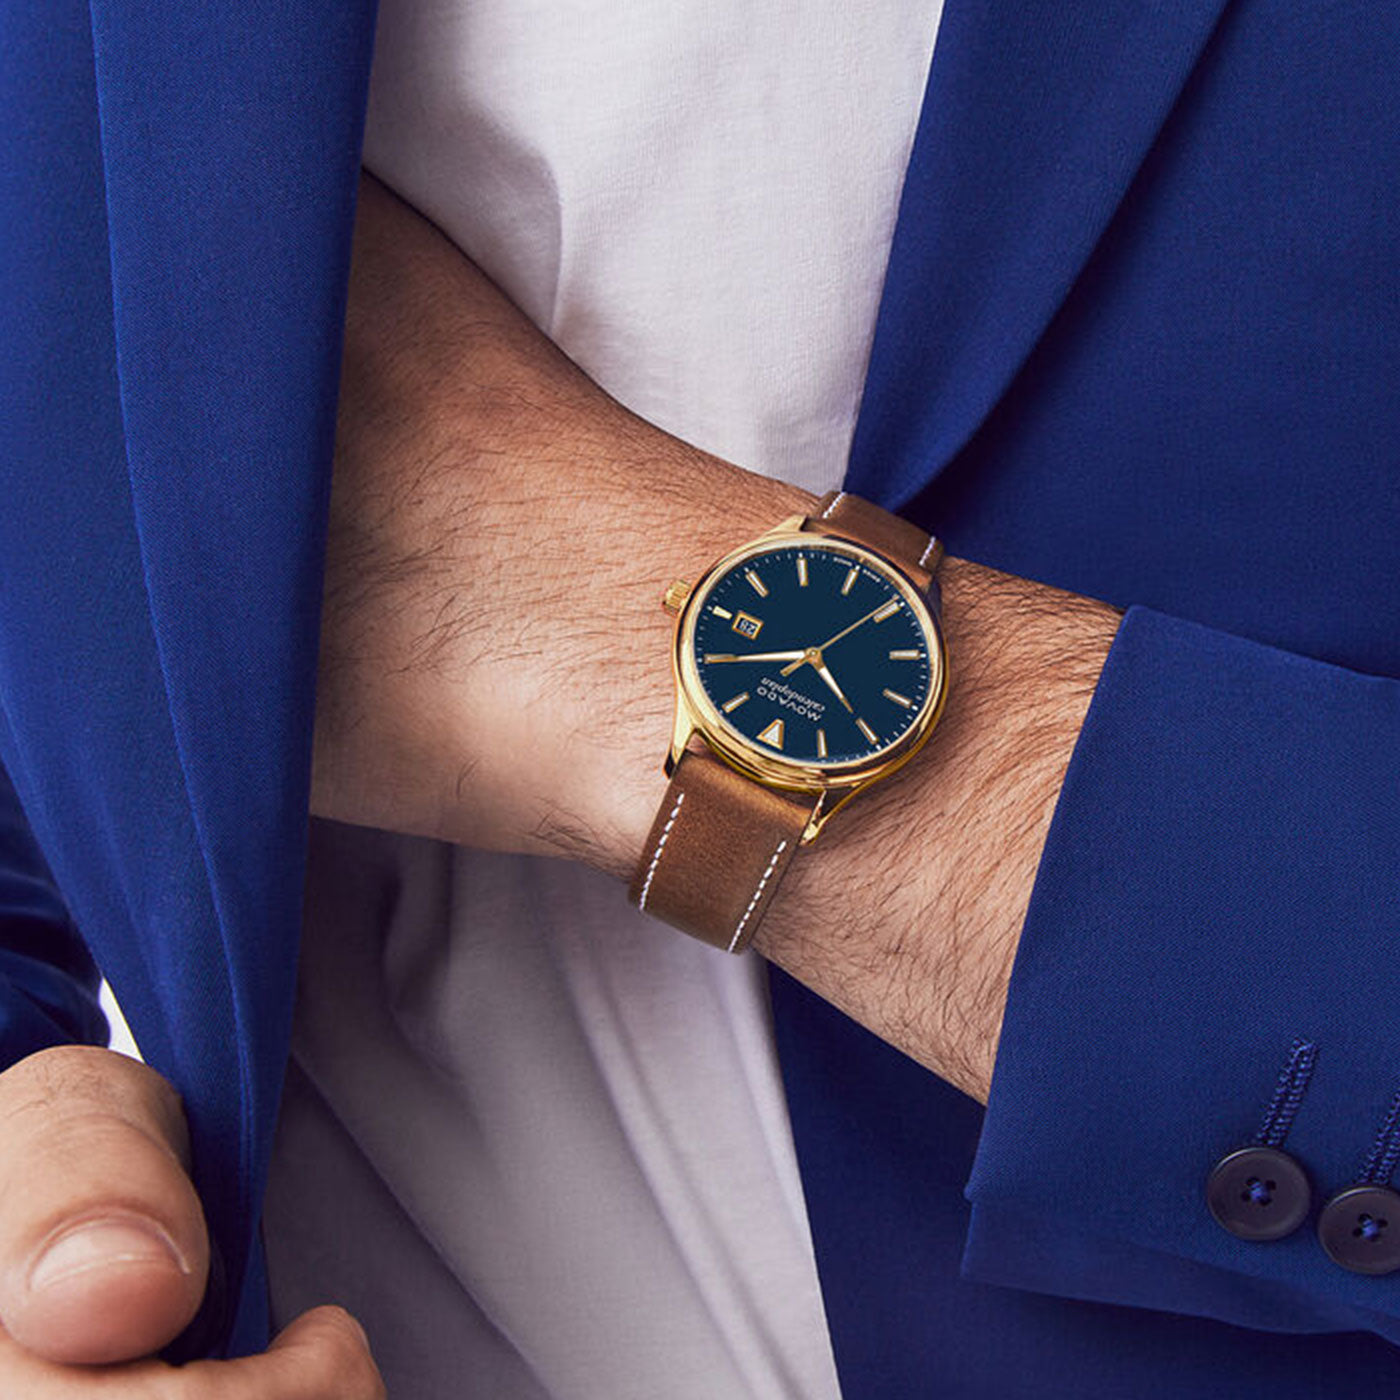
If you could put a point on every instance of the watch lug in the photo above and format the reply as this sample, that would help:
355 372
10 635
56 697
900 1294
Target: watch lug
682 727
822 813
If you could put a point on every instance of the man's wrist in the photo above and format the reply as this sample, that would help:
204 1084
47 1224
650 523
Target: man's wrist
906 913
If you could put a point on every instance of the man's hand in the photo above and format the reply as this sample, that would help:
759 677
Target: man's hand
104 1253
495 662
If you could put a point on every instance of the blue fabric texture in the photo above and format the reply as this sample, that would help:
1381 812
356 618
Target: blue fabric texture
176 197
1139 339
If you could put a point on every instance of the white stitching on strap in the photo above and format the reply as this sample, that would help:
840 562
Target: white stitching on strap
660 846
836 501
928 549
757 895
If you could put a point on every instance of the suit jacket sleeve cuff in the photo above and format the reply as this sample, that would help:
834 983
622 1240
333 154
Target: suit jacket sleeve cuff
1221 878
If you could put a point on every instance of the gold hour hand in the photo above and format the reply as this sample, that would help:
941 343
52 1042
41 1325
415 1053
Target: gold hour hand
754 656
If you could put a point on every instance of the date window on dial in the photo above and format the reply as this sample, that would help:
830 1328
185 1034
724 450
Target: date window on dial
747 626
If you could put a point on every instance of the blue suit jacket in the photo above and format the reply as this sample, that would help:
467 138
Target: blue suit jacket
1140 339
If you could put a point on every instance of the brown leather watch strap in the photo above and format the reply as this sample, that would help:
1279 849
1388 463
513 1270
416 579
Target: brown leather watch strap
851 518
717 850
721 841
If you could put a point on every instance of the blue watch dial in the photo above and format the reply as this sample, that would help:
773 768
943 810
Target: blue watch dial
810 653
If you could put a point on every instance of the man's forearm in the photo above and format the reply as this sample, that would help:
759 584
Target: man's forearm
495 660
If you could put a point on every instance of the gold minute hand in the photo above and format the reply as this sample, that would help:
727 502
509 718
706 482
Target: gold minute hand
812 652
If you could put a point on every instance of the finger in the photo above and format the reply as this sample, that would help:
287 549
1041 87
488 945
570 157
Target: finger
323 1355
104 1252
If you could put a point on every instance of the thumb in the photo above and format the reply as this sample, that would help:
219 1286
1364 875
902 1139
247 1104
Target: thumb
322 1355
104 1252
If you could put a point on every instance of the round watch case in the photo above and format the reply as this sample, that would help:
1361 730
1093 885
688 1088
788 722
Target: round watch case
698 712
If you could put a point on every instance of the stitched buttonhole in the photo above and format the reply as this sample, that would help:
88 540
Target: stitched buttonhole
1288 1094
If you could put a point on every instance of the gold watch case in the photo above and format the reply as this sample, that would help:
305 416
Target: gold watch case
697 716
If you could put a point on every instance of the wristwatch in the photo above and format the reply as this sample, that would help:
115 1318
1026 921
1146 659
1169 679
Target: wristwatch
809 664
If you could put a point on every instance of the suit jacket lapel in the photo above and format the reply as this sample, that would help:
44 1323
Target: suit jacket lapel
1036 117
230 142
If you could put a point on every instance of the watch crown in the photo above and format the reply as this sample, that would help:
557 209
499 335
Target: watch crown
676 595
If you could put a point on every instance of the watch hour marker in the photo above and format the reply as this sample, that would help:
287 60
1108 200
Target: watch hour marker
888 610
866 730
802 571
851 578
721 612
733 704
821 743
773 735
899 699
910 654
759 586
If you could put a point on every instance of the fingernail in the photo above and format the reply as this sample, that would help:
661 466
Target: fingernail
99 1244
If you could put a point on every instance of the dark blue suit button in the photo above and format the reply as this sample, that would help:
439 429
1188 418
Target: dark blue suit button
1360 1229
1259 1193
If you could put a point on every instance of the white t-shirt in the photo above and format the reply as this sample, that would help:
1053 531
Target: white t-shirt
535 1139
